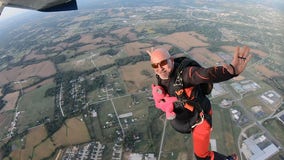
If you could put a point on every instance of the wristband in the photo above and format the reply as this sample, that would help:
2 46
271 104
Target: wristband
234 70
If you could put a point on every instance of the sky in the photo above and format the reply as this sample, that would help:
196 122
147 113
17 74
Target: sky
9 12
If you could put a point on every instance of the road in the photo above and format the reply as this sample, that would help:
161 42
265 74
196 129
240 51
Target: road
60 100
111 99
252 119
162 139
258 123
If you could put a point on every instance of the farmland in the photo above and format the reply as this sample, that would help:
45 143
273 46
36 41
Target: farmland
86 77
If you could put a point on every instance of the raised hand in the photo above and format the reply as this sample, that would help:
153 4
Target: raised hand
150 51
240 60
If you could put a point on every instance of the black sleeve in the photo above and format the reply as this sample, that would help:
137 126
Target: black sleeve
196 75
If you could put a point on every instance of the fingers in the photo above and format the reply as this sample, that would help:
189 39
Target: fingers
240 60
240 52
241 55
150 52
248 58
244 54
245 51
236 54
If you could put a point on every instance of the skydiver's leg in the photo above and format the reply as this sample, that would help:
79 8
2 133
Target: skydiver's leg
201 141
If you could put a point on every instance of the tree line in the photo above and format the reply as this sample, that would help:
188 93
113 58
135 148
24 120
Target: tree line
131 60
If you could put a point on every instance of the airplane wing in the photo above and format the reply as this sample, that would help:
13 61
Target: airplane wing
40 5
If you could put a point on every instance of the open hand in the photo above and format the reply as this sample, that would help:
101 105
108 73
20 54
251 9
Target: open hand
240 60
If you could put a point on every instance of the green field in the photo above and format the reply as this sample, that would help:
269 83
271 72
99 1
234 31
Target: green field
252 131
36 144
224 131
145 122
83 40
93 126
5 123
34 106
276 128
176 144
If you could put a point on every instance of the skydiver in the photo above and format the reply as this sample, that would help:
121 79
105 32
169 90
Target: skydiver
192 109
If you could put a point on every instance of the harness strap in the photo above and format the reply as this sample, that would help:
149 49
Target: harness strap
186 101
189 103
199 121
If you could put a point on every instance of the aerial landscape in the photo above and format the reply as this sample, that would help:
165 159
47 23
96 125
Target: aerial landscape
77 84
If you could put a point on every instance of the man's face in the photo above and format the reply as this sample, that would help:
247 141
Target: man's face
162 63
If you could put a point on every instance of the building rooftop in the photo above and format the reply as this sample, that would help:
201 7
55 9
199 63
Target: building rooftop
258 148
281 118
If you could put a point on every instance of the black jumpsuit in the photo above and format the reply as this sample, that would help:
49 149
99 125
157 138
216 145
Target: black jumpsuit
192 77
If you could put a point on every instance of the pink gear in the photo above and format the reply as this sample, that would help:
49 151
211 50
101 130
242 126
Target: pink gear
163 101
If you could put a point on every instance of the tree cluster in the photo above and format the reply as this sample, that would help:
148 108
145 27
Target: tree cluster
50 92
5 59
110 52
58 59
99 34
53 126
73 38
211 31
66 77
146 73
7 88
2 103
175 50
98 82
131 60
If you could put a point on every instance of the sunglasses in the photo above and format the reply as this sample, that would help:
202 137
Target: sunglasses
162 63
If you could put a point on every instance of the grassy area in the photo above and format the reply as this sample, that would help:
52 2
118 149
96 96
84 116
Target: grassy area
174 141
34 106
73 132
33 138
94 127
224 131
38 146
137 104
76 65
107 154
97 95
143 146
252 101
252 131
44 149
149 142
279 155
124 105
107 121
155 128
276 128
176 145
5 123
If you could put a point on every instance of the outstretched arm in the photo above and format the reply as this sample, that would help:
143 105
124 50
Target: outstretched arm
197 75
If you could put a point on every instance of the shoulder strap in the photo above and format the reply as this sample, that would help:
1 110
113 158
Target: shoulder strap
158 79
184 62
179 86
206 88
